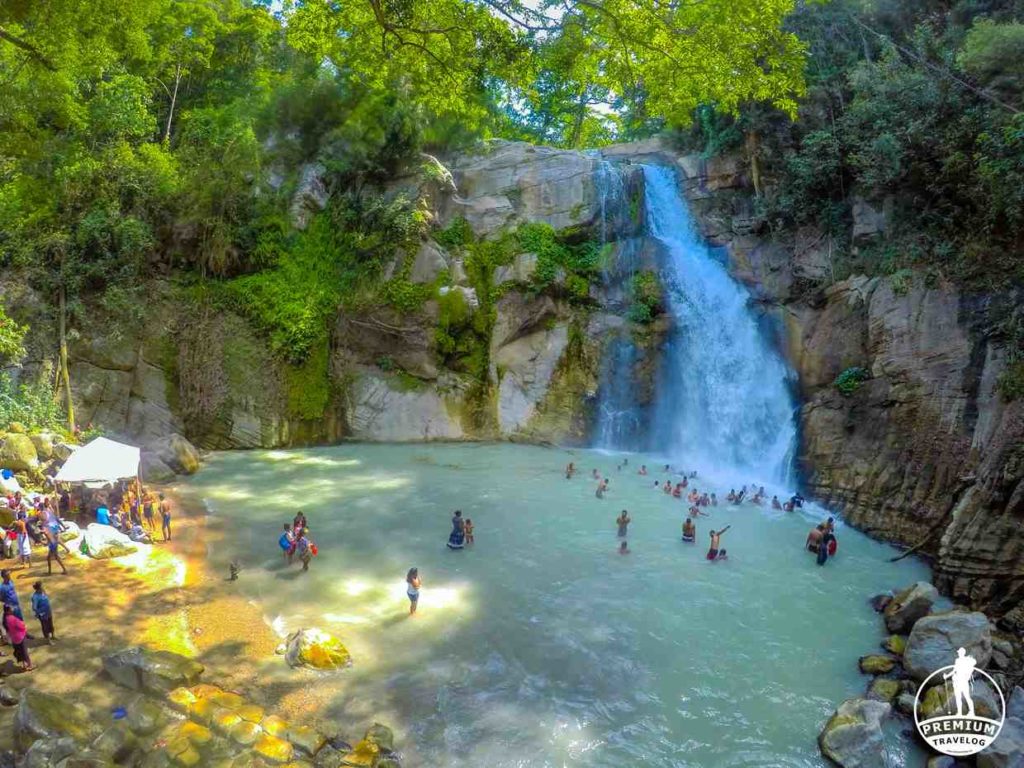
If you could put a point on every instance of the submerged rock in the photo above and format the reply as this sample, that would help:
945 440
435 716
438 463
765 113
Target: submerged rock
884 689
934 641
877 664
895 644
159 672
878 602
852 737
908 606
317 649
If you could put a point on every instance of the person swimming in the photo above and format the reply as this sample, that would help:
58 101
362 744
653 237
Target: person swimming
642 470
714 500
623 548
715 552
677 492
623 521
668 488
689 531
731 498
775 503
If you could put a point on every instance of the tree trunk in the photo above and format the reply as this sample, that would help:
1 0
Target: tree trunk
65 374
753 144
174 100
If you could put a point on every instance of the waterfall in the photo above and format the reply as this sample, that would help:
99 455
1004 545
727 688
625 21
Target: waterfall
722 398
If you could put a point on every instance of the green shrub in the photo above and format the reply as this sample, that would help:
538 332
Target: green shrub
32 404
1011 382
646 296
850 380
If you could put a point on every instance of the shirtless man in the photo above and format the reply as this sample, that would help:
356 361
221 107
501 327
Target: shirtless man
732 495
775 503
689 531
602 486
814 538
642 470
714 552
623 522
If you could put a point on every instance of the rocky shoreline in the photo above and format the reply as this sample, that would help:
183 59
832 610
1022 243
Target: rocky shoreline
919 643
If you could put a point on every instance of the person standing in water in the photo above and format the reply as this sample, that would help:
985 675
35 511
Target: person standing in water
602 487
715 552
287 544
412 588
689 531
304 548
457 538
469 531
623 522
570 471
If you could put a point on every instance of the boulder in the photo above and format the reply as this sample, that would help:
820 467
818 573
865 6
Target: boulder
365 754
878 602
852 737
895 644
273 750
63 451
908 606
877 664
905 704
884 689
382 736
1007 751
18 453
934 641
178 454
938 700
44 716
158 672
429 263
43 442
153 469
317 649
47 753
105 541
71 531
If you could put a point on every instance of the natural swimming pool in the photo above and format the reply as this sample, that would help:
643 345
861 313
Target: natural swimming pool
540 645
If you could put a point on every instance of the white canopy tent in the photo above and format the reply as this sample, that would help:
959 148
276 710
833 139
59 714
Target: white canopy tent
101 461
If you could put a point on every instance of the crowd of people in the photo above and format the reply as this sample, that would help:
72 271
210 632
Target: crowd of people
821 541
38 520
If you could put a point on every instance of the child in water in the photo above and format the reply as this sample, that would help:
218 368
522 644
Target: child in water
287 543
412 588
469 531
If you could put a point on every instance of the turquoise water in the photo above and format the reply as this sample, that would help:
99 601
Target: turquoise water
541 645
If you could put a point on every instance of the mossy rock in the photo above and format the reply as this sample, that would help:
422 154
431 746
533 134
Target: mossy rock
895 644
382 736
877 664
228 700
181 699
197 734
365 754
274 749
309 740
317 649
884 689
245 733
224 721
18 453
44 716
274 725
251 713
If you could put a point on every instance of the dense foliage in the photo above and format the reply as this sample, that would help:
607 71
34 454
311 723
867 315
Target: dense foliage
915 108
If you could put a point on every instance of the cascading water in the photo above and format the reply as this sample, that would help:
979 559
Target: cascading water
723 401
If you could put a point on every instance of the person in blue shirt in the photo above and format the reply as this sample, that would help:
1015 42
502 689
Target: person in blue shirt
102 515
42 610
8 595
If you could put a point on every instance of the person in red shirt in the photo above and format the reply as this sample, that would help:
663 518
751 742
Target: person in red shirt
17 633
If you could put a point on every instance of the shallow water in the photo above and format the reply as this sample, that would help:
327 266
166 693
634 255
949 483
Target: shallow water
540 645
